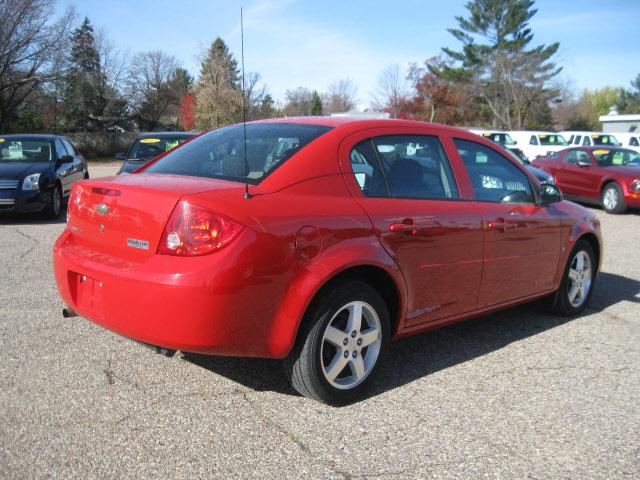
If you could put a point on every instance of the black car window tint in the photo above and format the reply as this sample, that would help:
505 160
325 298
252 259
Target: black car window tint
416 166
494 177
571 157
367 171
60 150
69 147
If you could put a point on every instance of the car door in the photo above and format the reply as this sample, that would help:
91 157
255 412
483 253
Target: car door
521 238
580 174
65 171
78 161
404 182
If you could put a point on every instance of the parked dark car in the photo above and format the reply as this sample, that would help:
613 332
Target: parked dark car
148 146
37 173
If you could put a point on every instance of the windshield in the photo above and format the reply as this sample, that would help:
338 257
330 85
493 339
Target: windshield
220 153
24 150
617 157
552 139
501 138
146 148
609 140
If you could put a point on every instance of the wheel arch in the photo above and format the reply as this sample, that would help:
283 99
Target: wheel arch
377 269
592 240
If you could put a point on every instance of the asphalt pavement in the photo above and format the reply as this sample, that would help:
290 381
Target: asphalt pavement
518 394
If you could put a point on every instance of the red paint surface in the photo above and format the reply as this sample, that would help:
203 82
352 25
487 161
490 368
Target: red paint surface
305 224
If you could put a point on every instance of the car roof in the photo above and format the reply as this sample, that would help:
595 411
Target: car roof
166 134
31 136
358 123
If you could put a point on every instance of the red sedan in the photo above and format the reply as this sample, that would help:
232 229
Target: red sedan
609 177
329 238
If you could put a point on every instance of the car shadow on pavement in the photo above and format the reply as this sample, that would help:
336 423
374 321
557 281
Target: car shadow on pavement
415 357
33 218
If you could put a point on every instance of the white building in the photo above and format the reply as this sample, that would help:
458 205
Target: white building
613 122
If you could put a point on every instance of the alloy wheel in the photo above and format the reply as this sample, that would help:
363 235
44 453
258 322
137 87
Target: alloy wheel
580 275
351 345
610 198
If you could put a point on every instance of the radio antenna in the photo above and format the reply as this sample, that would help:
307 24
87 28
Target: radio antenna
247 195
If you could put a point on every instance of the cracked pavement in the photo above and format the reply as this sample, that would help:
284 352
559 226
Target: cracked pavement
516 394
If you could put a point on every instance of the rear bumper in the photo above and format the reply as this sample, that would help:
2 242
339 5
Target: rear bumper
212 304
18 201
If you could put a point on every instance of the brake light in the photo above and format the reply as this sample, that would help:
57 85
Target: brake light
193 230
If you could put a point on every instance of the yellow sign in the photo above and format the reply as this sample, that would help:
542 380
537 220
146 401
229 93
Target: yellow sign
1 140
486 134
600 152
150 140
542 136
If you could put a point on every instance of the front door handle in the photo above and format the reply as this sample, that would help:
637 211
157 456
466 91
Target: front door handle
500 225
407 226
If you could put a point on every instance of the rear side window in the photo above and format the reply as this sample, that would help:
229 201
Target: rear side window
220 153
404 166
494 177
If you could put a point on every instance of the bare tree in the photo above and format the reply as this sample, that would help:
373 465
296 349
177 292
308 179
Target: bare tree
342 97
298 102
148 88
29 44
392 90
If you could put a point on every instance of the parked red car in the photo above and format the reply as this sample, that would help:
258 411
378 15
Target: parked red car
353 233
609 176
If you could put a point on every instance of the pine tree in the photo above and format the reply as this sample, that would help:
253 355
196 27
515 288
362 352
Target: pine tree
84 94
316 104
218 93
510 77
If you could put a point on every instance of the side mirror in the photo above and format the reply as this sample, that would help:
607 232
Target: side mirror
584 163
549 193
120 156
66 159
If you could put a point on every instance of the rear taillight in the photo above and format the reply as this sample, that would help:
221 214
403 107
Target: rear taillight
193 230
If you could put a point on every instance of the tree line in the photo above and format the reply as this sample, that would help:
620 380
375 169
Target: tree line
65 75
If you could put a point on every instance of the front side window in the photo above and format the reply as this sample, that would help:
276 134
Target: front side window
220 153
571 157
413 166
533 140
60 150
494 177
69 147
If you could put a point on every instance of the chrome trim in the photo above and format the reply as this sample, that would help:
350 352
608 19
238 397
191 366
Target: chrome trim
8 184
7 201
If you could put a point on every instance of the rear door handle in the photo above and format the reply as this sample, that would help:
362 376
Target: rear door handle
407 226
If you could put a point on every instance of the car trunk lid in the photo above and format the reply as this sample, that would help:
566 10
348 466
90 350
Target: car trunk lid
124 217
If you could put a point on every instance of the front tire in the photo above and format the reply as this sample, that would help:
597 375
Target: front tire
341 343
54 207
612 199
577 282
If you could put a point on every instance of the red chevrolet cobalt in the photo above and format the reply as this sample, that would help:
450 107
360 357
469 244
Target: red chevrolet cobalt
317 241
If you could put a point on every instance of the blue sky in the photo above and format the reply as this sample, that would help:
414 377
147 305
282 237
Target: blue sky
312 43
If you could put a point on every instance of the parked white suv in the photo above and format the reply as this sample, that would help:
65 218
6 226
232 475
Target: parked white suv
591 139
630 140
535 143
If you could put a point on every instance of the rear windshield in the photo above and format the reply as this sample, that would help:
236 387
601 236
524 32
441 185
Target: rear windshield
616 158
25 150
552 139
220 153
150 147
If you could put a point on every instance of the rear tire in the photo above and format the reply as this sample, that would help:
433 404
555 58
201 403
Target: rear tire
342 340
612 199
577 282
54 207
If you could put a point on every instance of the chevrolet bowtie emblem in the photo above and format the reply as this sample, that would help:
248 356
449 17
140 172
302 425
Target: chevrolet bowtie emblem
102 209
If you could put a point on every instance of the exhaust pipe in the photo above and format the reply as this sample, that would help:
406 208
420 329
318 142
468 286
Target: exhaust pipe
167 352
68 313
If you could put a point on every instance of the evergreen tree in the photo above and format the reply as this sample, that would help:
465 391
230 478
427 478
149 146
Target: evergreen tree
84 92
316 104
510 77
218 92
